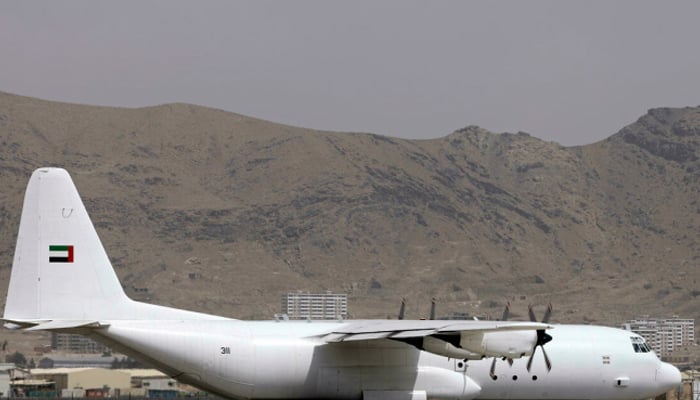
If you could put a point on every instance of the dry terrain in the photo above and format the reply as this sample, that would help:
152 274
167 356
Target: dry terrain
218 212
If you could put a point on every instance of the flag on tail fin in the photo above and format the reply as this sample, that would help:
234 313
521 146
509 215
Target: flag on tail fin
60 253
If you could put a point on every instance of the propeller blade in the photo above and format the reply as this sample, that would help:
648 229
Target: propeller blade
506 312
531 313
492 371
432 309
510 362
547 313
403 308
532 357
546 359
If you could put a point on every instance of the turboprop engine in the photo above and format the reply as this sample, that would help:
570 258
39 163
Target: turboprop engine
446 349
513 344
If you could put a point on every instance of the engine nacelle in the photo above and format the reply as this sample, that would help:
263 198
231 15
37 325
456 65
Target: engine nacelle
510 344
443 348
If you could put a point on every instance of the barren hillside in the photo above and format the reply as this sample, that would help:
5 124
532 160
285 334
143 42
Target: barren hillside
218 212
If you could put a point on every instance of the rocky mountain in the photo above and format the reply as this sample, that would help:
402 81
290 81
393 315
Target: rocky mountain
218 212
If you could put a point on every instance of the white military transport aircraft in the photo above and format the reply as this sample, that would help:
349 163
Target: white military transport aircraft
62 281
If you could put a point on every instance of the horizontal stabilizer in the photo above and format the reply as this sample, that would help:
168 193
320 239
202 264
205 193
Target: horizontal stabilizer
52 325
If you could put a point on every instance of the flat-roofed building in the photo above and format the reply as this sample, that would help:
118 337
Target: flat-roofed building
304 305
74 343
155 384
77 361
5 369
108 381
664 335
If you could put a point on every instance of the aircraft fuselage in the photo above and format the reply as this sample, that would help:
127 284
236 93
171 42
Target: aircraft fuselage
261 359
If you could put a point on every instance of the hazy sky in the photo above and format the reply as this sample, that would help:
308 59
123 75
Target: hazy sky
572 72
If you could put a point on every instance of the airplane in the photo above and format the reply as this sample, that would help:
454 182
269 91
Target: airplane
62 281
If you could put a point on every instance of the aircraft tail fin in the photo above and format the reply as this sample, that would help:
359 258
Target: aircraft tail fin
61 275
60 269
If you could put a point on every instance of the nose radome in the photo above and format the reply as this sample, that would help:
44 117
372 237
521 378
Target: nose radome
668 377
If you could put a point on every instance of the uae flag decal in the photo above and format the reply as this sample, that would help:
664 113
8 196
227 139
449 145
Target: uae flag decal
60 254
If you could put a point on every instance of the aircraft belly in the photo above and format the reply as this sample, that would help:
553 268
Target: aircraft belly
352 382
299 368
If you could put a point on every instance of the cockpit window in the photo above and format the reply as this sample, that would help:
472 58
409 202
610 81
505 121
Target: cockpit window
640 345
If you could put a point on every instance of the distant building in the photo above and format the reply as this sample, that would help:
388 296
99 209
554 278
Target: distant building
327 305
73 343
98 383
460 316
77 361
664 335
5 369
155 384
85 382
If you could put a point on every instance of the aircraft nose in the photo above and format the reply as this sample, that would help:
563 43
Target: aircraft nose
668 377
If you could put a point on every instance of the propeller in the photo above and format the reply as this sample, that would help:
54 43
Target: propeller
542 337
506 312
403 308
492 370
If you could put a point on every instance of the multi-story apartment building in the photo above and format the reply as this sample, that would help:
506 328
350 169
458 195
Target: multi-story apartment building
664 335
327 305
74 343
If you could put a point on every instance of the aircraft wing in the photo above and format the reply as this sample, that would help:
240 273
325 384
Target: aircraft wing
382 329
456 339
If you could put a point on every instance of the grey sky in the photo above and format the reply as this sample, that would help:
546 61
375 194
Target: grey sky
572 72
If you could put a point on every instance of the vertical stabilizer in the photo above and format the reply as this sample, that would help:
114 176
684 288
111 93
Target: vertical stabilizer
60 269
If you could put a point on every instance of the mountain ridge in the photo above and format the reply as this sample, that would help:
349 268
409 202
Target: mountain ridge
218 212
